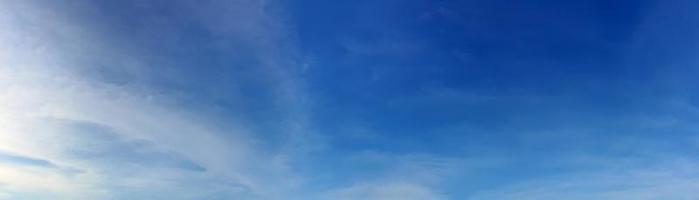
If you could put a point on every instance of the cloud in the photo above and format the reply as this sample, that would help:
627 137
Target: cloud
61 108
19 160
386 191
410 176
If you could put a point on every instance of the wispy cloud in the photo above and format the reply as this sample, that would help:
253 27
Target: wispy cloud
386 191
18 160
129 139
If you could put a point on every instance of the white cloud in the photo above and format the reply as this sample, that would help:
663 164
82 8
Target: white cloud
46 98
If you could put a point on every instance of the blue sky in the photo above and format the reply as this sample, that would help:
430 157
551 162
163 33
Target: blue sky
345 100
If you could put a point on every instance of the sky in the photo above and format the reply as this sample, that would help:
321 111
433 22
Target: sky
349 100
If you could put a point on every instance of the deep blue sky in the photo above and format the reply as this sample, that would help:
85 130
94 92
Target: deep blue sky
365 99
